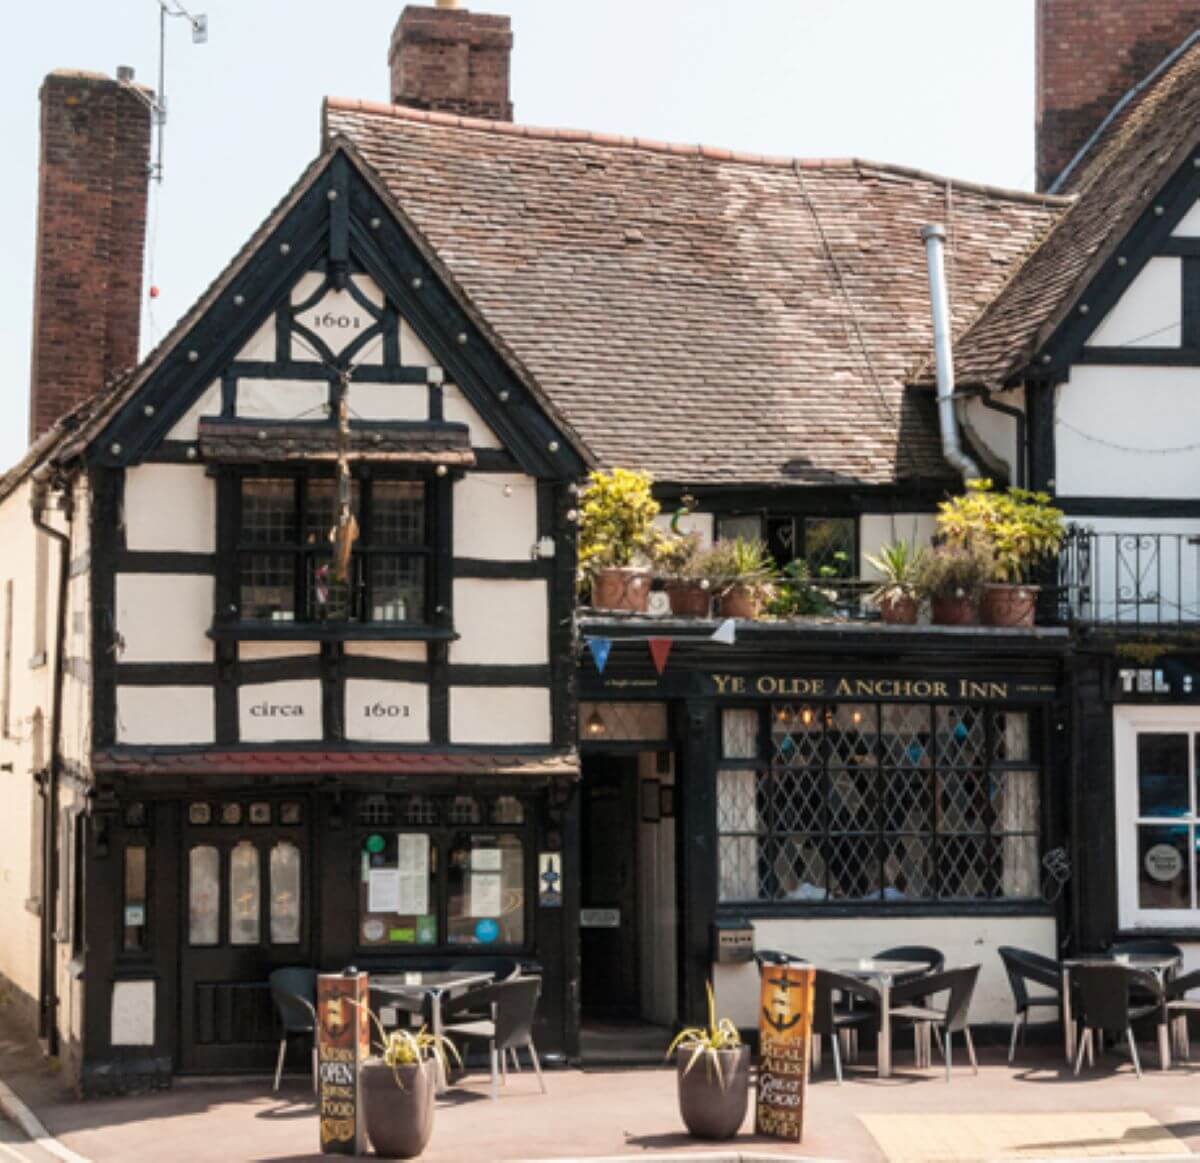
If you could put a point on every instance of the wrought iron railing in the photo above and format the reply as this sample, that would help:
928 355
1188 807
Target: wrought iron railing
1128 579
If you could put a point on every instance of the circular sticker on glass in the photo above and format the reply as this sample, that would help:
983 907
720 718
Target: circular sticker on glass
374 842
486 931
373 930
1163 862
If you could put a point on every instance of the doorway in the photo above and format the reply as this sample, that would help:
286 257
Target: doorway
247 889
628 934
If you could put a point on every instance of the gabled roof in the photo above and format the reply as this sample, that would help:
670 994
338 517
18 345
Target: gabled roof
1138 150
710 316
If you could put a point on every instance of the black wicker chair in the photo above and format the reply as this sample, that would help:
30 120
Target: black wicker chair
1022 966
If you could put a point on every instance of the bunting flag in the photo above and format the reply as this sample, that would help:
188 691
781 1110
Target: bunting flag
660 648
600 648
725 633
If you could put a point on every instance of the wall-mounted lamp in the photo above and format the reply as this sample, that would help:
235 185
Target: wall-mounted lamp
595 726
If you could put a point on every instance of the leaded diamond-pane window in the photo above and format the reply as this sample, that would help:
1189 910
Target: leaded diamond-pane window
892 802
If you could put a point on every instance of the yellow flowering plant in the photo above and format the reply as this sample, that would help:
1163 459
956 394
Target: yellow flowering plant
616 520
1017 527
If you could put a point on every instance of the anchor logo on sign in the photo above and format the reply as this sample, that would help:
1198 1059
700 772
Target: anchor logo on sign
780 1001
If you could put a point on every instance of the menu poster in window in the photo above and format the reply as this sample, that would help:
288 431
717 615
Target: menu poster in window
486 860
343 1043
413 874
487 897
383 891
784 1026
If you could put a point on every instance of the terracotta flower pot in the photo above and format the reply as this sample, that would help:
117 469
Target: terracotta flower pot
740 602
399 1118
689 598
1004 605
953 611
621 588
899 610
710 1109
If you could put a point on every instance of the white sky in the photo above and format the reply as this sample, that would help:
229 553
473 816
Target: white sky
945 85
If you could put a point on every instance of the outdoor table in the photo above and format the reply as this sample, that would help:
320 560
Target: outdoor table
882 975
1161 966
434 984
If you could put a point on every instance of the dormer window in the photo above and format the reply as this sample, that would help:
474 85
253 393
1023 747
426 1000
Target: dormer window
285 555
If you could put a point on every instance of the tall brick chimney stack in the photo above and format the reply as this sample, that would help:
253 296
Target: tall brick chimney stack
1089 54
452 61
94 171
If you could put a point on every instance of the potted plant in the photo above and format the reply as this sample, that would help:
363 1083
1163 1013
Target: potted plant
896 594
712 1096
795 595
617 538
398 1090
952 578
1021 530
677 557
739 571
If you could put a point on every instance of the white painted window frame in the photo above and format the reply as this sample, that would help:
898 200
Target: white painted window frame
1128 722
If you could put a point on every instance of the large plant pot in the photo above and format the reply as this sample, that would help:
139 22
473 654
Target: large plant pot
709 1109
954 611
621 588
741 602
399 1118
1005 605
900 610
689 599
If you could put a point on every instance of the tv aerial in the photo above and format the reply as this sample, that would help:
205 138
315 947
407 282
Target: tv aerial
157 102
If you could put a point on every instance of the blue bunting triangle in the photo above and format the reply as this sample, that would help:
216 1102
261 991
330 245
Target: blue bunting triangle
600 648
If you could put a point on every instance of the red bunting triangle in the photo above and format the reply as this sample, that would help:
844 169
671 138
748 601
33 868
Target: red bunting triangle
660 649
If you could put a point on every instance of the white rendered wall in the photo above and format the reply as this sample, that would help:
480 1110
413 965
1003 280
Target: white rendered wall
77 680
455 408
1148 313
995 431
876 530
382 711
208 403
162 715
283 399
965 940
1189 224
702 524
499 715
170 508
279 712
164 617
1147 411
388 401
501 622
495 516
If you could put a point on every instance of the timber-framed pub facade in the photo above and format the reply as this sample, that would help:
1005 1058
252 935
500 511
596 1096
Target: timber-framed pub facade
296 667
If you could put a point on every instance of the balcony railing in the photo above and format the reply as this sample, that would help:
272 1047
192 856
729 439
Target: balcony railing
1129 579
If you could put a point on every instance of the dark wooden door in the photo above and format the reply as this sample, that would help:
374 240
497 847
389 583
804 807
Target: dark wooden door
247 909
608 950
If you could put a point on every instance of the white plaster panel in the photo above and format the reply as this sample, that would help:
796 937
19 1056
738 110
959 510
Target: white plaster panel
1144 410
414 353
164 617
208 403
338 320
395 651
256 651
1148 313
500 622
964 939
272 712
996 432
499 715
700 523
170 507
1189 224
132 1013
491 524
876 530
282 399
455 408
389 401
164 714
261 345
379 711
306 286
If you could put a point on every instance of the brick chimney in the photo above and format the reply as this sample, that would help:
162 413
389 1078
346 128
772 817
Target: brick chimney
94 169
453 61
1089 54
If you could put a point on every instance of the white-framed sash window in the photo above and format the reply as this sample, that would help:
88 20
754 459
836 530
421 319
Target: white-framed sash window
1158 815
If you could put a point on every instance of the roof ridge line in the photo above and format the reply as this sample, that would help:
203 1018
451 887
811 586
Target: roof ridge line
679 149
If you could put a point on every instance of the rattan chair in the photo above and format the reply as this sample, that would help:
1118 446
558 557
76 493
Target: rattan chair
1023 965
513 1004
1105 998
913 1001
294 992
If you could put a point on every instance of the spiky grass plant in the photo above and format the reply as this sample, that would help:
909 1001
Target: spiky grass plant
707 1042
408 1048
